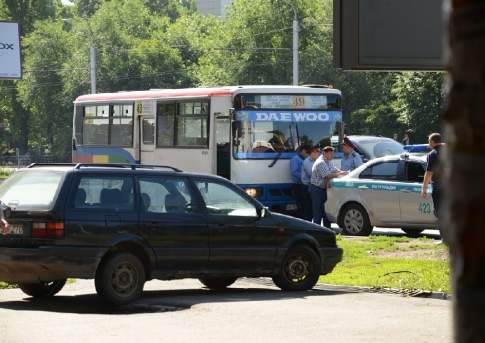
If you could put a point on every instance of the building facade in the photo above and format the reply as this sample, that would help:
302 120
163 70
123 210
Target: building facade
213 7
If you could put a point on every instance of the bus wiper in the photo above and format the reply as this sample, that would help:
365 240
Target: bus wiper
277 157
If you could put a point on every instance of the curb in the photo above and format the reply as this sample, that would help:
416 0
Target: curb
415 293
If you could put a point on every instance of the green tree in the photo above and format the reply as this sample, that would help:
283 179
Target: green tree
41 90
13 114
171 8
86 8
420 100
381 120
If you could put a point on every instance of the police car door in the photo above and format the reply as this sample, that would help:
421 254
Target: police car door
377 187
414 209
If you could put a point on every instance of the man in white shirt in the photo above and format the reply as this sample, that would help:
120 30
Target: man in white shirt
323 171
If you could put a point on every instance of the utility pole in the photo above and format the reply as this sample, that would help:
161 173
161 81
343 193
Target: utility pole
93 68
295 48
464 211
296 32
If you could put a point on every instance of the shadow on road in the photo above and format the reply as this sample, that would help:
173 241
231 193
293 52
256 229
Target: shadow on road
154 301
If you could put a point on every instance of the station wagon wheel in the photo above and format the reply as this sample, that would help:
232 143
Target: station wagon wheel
217 282
354 220
120 279
42 289
300 269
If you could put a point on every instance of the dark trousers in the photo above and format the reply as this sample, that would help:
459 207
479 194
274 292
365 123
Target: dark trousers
319 197
297 191
436 195
307 204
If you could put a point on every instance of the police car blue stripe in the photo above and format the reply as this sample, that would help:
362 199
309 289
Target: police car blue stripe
379 186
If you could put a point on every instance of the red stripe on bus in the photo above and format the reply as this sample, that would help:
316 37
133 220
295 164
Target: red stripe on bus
139 95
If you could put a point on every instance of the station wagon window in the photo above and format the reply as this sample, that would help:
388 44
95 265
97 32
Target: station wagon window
108 125
184 124
224 201
161 195
104 192
381 171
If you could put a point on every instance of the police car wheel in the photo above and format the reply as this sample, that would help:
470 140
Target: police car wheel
413 233
42 289
217 283
354 220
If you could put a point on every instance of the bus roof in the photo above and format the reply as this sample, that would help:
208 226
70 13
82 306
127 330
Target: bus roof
198 92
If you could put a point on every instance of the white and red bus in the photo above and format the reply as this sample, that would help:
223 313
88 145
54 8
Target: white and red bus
244 133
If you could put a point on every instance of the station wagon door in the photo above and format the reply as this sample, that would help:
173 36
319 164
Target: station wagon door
173 224
236 243
377 187
414 209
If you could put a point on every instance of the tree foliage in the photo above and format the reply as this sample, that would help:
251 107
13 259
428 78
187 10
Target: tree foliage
144 44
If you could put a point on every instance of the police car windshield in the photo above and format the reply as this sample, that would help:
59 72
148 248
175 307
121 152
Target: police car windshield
257 137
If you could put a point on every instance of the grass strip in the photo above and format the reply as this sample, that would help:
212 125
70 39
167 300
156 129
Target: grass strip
392 262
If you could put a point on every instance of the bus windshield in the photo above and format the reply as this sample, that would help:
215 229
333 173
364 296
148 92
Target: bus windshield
266 135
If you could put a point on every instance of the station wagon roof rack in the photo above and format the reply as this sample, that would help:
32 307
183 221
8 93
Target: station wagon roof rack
33 165
124 165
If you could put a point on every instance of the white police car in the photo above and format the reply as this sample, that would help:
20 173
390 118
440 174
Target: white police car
382 192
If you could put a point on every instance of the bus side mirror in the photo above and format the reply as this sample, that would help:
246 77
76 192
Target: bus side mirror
74 144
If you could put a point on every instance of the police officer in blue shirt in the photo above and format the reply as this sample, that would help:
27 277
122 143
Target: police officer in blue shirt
433 174
351 159
296 164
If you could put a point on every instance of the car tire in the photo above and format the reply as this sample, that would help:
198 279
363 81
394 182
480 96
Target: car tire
413 233
217 283
354 220
300 269
42 289
120 279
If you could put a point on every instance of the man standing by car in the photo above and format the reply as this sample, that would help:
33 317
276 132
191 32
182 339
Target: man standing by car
351 159
296 164
306 175
433 173
323 171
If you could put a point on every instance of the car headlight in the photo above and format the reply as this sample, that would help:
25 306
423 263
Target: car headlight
253 192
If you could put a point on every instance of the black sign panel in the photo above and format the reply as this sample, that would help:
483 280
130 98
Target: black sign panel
388 34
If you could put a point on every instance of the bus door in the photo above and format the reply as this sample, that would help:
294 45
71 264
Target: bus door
147 139
223 144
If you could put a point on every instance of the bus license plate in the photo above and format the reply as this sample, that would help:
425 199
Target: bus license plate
291 207
13 229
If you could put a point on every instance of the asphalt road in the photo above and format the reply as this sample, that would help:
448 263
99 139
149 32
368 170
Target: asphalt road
250 311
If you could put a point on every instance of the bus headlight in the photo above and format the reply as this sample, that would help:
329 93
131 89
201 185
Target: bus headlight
253 192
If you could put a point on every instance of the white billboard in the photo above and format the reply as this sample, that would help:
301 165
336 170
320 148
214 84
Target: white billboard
10 66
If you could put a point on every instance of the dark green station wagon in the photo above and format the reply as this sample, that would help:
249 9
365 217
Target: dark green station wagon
122 225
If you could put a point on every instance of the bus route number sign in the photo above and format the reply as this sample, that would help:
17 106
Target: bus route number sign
298 102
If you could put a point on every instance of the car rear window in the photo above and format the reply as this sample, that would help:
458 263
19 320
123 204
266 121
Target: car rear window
32 189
